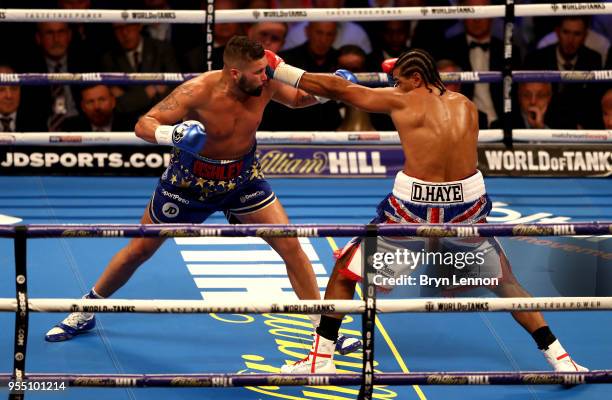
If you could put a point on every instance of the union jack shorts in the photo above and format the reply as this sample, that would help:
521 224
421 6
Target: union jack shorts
418 202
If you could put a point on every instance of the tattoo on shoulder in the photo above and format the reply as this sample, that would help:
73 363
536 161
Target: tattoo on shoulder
171 102
186 89
168 104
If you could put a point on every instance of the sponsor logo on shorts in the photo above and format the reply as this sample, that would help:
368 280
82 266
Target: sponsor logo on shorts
170 210
247 197
437 193
174 196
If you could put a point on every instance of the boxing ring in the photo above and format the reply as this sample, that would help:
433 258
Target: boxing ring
216 338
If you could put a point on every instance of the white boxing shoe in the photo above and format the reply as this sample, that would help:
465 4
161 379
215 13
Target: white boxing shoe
320 359
560 360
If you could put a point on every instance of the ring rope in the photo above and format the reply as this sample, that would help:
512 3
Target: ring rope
75 139
306 230
301 14
373 79
386 306
388 378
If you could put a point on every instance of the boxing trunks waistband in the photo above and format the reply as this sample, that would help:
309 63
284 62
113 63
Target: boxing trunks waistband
412 190
221 170
206 178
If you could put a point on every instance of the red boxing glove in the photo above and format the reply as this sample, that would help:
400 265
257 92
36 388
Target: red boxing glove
388 65
279 70
273 60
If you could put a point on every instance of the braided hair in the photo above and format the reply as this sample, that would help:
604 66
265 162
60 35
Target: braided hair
417 60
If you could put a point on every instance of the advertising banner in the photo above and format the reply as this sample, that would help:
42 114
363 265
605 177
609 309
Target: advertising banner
310 161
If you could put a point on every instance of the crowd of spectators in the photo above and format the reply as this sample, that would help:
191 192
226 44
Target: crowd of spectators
540 43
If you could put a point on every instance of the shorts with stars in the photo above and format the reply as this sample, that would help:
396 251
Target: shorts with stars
193 187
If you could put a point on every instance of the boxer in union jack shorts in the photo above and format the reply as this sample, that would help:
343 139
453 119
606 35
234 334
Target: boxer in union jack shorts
438 130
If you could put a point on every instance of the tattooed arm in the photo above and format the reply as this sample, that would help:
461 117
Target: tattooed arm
170 110
291 97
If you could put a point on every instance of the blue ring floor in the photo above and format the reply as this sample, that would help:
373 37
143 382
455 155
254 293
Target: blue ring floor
166 343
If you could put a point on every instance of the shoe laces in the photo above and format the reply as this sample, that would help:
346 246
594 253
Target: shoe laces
303 360
76 319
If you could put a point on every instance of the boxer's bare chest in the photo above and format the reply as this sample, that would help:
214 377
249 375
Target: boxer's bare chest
224 117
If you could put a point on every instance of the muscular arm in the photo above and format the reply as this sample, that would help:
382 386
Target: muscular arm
382 100
168 111
292 97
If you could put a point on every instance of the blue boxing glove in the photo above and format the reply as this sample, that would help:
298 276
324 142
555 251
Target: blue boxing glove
346 74
342 73
188 135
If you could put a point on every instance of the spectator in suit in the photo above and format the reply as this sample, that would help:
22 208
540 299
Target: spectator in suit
392 40
135 53
534 100
98 108
346 32
594 41
606 108
158 31
316 55
424 34
54 103
89 39
478 50
13 115
270 34
577 100
353 58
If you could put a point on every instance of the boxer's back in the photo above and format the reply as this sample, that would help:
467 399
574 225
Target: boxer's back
439 135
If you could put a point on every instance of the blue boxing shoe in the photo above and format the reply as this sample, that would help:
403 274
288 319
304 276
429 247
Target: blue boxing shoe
73 325
346 345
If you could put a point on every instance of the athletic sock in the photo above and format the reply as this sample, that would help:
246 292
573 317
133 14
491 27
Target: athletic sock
543 337
329 327
92 295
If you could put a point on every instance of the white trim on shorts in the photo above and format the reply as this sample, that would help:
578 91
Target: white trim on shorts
249 209
412 190
154 217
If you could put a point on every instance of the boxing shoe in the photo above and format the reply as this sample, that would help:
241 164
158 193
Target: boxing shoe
320 359
75 324
560 360
346 345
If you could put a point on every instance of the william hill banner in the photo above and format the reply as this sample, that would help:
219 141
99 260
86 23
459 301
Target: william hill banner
307 161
